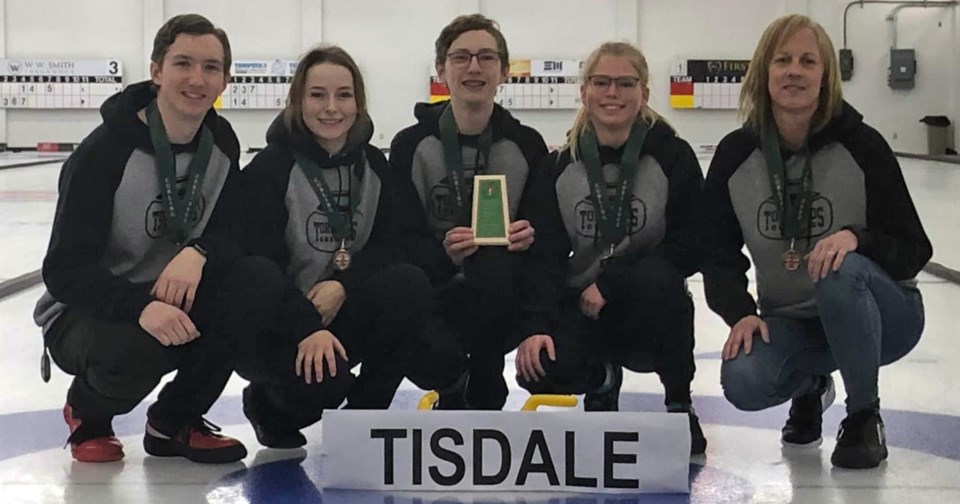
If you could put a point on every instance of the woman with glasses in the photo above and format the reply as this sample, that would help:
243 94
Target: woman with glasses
436 160
806 181
604 282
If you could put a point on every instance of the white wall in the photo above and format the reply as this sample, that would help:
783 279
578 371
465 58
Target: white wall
697 29
393 45
95 29
392 41
932 32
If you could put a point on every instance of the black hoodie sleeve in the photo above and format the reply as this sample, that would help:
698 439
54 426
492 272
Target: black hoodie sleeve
893 237
545 263
380 250
264 183
81 230
419 246
222 238
534 150
725 265
684 184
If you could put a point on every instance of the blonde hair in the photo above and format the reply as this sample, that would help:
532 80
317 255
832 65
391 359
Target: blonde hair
755 95
639 62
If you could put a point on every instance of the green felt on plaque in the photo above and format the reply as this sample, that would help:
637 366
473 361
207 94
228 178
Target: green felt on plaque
491 222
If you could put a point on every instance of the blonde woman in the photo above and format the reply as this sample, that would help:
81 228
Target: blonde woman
604 281
819 200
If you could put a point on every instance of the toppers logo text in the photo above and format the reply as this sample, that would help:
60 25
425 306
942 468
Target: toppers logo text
155 219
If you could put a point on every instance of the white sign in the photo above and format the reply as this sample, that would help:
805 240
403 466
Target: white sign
258 84
58 83
45 67
506 451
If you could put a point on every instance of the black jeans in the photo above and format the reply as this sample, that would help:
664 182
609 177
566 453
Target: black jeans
116 364
379 325
648 328
473 326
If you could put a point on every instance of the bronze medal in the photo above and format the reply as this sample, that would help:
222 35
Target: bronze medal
791 259
341 258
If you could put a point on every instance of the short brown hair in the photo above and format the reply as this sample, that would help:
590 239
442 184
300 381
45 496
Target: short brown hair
190 24
755 94
293 112
466 23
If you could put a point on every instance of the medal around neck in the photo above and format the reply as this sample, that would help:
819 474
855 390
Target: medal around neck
180 211
612 212
341 221
342 258
453 159
491 217
793 215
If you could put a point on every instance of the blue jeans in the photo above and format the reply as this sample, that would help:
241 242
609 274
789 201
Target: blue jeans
866 320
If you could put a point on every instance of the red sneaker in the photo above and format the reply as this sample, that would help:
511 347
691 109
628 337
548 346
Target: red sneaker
89 445
197 442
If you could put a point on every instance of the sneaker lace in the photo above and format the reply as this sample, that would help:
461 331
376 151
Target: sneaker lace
205 427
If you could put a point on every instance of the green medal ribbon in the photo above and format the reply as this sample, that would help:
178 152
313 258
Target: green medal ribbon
612 215
794 219
454 159
178 210
341 223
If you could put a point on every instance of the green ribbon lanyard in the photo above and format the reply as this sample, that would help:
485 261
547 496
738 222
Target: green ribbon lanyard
454 159
341 223
178 210
612 216
793 218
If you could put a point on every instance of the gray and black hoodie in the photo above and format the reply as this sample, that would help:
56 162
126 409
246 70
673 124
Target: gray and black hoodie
109 241
857 185
287 224
566 256
416 155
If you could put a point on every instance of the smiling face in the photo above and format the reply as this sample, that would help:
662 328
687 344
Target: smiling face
473 80
329 105
191 76
796 73
613 94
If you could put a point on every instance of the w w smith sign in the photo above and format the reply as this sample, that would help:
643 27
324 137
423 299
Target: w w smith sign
506 451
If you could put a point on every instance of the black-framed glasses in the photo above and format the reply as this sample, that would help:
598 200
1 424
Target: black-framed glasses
603 82
486 58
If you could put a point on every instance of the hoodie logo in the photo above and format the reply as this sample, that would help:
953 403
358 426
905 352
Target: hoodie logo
155 220
821 215
320 232
443 202
588 222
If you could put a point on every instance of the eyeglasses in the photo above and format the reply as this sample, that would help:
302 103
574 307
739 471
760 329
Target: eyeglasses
485 58
602 82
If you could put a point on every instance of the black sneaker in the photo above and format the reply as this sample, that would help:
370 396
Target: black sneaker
804 426
269 433
198 441
861 443
607 396
698 442
454 397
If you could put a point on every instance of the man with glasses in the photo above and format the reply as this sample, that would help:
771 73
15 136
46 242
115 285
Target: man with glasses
435 161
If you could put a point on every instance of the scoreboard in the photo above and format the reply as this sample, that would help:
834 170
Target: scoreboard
258 85
707 84
58 83
530 85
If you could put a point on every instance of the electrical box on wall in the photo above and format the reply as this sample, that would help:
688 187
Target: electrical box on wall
903 69
846 64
